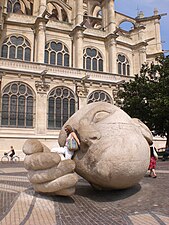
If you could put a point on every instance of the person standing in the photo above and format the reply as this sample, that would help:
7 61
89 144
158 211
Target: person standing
65 150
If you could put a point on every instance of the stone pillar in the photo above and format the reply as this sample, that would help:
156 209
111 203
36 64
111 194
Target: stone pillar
1 12
82 92
89 8
77 35
141 35
41 103
40 38
78 12
111 16
36 8
108 16
104 17
157 32
42 6
142 54
4 3
41 118
112 53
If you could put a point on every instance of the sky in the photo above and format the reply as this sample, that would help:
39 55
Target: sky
132 7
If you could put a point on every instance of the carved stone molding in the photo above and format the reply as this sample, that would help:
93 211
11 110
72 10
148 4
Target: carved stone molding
82 90
42 86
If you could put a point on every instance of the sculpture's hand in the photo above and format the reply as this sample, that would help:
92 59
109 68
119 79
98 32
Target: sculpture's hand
46 171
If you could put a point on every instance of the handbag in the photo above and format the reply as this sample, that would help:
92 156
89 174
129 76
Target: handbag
72 144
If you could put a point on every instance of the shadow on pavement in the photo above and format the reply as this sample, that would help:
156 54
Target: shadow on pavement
105 196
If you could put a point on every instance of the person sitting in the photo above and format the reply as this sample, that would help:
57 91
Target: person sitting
12 152
68 154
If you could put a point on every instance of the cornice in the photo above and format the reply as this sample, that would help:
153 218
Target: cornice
135 46
76 29
34 70
144 19
154 55
40 20
111 36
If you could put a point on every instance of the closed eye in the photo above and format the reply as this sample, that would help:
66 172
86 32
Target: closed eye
99 116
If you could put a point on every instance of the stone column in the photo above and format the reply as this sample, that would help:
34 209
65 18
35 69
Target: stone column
142 54
79 12
40 38
36 8
1 18
104 17
157 31
41 106
77 35
42 6
82 92
141 35
4 3
112 53
111 16
108 16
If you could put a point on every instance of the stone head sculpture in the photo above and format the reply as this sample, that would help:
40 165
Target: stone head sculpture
114 151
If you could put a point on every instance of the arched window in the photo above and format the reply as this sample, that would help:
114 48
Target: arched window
61 106
99 96
13 6
16 47
92 59
17 105
56 53
123 65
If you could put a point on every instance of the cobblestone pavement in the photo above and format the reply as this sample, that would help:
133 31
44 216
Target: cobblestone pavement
144 204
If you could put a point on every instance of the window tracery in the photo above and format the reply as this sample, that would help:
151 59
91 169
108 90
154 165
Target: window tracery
56 53
99 95
20 6
13 6
16 47
17 105
92 59
61 106
123 65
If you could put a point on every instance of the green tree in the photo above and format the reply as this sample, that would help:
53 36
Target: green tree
147 96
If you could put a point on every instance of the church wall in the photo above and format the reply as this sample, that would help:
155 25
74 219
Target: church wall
76 37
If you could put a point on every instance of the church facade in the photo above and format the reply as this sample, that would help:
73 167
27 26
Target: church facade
58 55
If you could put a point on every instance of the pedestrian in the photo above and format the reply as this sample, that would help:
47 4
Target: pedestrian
66 151
153 159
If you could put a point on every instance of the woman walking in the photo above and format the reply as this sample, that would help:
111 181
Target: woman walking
153 159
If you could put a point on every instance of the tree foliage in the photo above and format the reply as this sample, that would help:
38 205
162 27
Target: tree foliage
147 96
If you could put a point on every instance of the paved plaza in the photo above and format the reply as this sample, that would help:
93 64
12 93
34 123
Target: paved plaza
147 203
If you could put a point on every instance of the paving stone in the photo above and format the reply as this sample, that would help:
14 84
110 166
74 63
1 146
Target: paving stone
144 204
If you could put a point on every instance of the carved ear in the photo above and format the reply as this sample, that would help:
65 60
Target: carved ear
144 130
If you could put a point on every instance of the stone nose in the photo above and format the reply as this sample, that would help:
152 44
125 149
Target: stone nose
95 135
